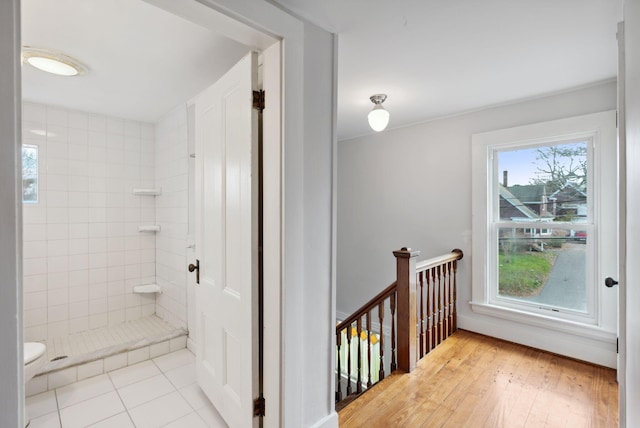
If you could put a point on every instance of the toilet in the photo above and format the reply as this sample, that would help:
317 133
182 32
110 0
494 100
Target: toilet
34 359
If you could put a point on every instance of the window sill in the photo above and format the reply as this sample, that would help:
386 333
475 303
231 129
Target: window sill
538 320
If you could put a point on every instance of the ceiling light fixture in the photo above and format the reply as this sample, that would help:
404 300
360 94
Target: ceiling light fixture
52 61
378 117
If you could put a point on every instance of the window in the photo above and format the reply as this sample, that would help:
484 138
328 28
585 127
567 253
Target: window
542 268
29 173
544 224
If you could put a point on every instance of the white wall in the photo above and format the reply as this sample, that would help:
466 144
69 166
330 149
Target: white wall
82 250
412 187
172 215
632 105
11 361
318 209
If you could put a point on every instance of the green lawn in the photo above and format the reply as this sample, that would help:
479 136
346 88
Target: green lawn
524 274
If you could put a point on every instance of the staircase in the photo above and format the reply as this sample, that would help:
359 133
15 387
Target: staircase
421 304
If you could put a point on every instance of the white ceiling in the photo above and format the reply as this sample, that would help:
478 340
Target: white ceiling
432 57
436 57
142 60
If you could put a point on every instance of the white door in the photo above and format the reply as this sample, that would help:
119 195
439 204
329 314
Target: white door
226 129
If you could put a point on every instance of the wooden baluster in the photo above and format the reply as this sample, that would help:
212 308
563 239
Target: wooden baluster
433 308
422 326
369 348
427 319
445 301
439 305
339 375
455 295
349 334
359 342
380 320
393 333
450 310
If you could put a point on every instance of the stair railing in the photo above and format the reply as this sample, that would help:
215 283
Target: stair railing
422 306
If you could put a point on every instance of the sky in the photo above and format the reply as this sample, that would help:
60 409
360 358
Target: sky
521 165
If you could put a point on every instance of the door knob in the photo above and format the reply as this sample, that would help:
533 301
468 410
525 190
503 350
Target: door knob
610 282
195 267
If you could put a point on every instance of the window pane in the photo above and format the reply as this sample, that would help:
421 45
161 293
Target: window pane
546 269
29 174
543 184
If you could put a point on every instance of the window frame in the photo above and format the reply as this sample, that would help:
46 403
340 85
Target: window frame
484 229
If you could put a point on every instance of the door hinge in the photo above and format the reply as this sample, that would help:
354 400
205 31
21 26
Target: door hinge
617 345
259 407
258 100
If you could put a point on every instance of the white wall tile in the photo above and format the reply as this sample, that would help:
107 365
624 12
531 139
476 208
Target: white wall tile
82 233
98 305
58 231
34 214
34 249
79 294
98 320
57 297
36 333
137 355
57 313
88 370
115 362
34 266
62 377
57 280
79 279
36 385
159 349
78 325
35 300
34 232
58 247
79 309
58 329
34 283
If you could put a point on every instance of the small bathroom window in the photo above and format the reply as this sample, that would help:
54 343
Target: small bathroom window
29 174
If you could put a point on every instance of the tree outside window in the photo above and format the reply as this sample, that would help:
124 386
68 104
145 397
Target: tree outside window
29 173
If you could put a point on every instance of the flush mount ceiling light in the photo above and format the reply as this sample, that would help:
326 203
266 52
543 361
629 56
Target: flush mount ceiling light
52 61
378 117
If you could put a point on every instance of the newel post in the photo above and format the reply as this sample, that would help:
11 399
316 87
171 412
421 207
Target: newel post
406 308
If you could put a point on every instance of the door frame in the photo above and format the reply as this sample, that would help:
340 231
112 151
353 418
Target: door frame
280 38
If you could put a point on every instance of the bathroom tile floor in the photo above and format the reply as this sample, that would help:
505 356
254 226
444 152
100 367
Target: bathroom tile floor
161 392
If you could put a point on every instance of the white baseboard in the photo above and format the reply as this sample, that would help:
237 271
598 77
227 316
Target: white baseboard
329 421
573 346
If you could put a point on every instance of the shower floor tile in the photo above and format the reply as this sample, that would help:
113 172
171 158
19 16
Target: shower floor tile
92 345
113 406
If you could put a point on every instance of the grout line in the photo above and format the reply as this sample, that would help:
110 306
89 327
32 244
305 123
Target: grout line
55 394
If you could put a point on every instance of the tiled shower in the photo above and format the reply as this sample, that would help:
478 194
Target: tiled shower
83 250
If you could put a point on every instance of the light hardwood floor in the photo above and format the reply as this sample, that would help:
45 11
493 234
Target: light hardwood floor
472 381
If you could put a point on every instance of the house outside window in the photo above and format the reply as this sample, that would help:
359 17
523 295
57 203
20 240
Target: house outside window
29 174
